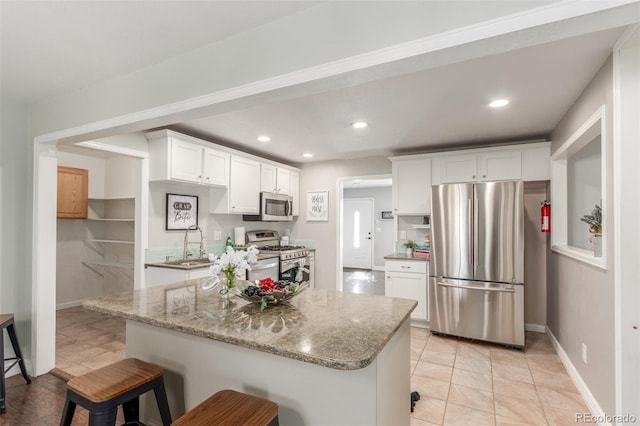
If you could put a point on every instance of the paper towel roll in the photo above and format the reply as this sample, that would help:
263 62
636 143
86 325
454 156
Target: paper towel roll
238 235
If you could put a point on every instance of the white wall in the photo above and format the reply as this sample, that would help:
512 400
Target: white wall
383 229
95 166
324 176
580 297
15 219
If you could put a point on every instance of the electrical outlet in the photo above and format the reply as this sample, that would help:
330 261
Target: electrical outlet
217 235
584 353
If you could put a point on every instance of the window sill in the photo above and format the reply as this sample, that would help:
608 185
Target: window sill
582 255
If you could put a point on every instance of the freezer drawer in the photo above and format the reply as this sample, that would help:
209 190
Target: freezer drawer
477 310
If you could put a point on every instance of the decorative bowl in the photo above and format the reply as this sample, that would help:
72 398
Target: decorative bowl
272 297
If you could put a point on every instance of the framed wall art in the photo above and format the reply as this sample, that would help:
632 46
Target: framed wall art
318 206
182 212
386 215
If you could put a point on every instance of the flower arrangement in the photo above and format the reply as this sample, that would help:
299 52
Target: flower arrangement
594 220
232 264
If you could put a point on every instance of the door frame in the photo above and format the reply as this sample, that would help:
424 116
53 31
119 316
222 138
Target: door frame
339 229
373 225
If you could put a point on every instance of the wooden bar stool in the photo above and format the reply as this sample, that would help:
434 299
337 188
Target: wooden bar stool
231 408
6 321
103 390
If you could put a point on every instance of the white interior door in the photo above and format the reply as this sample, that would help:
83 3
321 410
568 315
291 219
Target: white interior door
357 243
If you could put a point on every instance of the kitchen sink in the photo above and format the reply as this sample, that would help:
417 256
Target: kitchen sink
189 262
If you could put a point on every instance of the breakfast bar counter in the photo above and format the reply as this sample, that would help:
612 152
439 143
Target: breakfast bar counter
324 357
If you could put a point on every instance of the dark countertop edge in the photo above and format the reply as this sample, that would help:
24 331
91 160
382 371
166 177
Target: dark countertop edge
402 256
345 365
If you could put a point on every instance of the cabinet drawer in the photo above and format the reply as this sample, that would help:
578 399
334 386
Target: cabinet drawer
406 266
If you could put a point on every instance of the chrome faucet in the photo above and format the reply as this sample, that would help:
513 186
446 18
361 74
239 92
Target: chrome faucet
187 254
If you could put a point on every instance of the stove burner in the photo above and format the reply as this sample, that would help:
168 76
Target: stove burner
280 248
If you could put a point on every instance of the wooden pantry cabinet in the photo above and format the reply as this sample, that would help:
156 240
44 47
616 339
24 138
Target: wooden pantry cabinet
73 193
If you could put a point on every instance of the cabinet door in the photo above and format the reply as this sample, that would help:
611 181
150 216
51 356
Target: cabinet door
412 186
186 161
458 168
215 169
282 181
244 186
409 286
294 191
73 193
267 178
500 165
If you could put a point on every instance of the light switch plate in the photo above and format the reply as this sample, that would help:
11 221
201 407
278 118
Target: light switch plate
403 235
217 235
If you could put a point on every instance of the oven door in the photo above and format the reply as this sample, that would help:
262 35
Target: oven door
275 207
265 268
295 270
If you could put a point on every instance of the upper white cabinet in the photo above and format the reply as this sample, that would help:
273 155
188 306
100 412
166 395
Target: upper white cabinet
243 195
519 162
274 179
411 189
294 190
174 157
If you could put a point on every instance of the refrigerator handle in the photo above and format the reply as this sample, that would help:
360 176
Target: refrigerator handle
470 217
475 233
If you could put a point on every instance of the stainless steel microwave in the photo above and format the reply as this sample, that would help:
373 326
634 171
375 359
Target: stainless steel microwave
273 208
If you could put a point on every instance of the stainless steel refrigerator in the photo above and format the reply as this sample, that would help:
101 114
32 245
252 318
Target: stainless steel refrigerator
477 261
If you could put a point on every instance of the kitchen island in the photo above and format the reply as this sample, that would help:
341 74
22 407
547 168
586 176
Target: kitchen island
326 358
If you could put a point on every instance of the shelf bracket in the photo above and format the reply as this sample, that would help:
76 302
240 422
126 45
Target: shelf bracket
86 265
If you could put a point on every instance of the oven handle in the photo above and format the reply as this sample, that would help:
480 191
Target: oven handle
267 266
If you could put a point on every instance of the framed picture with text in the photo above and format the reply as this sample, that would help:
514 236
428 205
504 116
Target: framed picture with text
318 206
182 212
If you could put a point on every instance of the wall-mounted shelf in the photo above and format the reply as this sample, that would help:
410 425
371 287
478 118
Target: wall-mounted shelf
416 226
111 198
112 241
99 219
109 263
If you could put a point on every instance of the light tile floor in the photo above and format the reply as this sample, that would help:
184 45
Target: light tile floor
87 340
460 382
474 383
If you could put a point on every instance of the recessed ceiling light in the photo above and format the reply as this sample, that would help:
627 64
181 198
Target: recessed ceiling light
307 155
499 103
264 138
359 125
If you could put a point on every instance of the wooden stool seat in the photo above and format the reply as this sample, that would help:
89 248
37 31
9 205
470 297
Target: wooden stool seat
103 390
6 321
231 408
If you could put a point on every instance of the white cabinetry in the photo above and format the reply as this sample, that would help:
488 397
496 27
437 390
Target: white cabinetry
411 186
294 190
175 157
483 167
155 276
527 162
408 280
243 195
274 179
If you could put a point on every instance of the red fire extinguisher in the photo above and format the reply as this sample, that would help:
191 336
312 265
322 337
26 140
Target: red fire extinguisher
545 213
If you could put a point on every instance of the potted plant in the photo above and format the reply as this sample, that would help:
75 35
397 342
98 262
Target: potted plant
594 220
410 245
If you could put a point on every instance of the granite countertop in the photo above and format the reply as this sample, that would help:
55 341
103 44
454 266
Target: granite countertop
343 331
403 256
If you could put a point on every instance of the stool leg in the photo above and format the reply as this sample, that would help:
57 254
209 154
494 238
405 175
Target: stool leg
163 404
274 421
131 410
67 413
2 384
16 349
104 418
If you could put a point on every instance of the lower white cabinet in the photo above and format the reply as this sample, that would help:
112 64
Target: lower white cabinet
408 280
155 276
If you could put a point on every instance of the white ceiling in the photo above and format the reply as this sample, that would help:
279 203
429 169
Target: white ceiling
52 47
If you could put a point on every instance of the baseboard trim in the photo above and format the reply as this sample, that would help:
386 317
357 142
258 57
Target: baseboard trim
535 327
66 305
582 387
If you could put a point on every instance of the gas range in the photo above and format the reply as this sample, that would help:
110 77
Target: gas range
266 241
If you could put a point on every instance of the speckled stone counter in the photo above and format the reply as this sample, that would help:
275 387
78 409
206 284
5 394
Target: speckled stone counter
326 358
332 329
403 256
